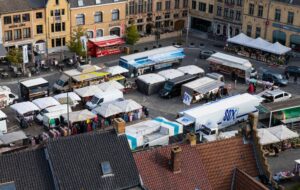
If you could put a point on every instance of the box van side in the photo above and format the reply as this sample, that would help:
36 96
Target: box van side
3 125
107 96
50 117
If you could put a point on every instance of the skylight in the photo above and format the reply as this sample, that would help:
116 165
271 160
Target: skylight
106 168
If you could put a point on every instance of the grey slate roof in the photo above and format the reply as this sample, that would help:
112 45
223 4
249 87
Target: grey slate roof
76 161
13 6
29 170
74 3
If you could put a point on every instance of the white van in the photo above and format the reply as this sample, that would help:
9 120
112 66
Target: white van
103 97
54 113
3 126
6 97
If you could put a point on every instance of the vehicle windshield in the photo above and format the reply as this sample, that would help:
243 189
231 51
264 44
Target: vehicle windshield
94 100
205 130
60 82
268 98
279 76
168 86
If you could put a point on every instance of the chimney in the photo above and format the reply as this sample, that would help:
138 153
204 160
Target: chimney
192 139
176 159
253 118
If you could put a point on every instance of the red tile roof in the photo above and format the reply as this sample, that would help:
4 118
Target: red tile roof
156 174
206 166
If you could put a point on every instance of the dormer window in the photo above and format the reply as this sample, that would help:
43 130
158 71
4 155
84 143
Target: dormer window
98 2
80 3
106 169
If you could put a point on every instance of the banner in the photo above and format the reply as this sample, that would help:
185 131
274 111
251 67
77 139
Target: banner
187 99
25 54
83 40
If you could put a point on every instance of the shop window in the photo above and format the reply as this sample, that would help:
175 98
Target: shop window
8 35
7 20
90 34
17 34
26 33
58 42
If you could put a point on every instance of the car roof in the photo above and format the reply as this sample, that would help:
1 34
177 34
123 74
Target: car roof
274 92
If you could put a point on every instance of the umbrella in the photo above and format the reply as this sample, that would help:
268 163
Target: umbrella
128 105
282 132
266 137
107 110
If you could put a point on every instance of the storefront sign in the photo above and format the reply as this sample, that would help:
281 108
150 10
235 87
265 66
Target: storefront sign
286 27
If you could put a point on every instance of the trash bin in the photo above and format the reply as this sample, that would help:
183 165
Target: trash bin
119 124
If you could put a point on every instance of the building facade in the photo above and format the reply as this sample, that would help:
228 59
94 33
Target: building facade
228 17
98 18
157 15
274 21
201 15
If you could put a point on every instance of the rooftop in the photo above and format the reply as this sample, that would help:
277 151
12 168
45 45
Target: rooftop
85 3
276 106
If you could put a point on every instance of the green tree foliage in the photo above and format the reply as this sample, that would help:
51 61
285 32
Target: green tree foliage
132 35
15 56
75 45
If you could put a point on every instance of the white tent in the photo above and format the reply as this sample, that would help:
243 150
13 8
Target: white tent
45 102
73 96
88 91
266 137
278 49
240 39
115 70
24 107
259 43
170 74
191 69
282 132
110 84
128 105
107 110
78 116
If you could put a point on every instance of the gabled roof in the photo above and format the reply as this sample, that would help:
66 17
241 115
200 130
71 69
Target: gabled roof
204 166
14 6
74 3
155 171
76 161
28 170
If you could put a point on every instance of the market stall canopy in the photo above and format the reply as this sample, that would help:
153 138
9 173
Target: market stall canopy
115 70
78 116
88 68
107 110
170 73
151 78
240 39
45 102
128 105
107 41
277 106
24 107
282 132
12 137
191 69
71 95
3 51
278 49
110 85
88 91
258 43
266 137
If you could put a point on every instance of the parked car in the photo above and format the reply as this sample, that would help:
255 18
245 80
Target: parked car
204 54
275 96
292 71
275 78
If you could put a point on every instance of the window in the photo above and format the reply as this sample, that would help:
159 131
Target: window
194 4
63 26
239 2
260 11
39 29
17 18
80 3
63 12
249 30
63 41
140 20
106 168
158 6
98 17
57 2
149 7
52 43
26 33
251 9
185 3
98 2
25 17
238 15
226 12
231 14
176 15
140 6
211 9
167 23
115 14
7 20
80 19
57 12
168 5
8 35
90 34
277 15
39 15
51 12
177 2
17 34
58 42
258 31
131 8
158 18
290 18
219 11
99 33
167 15
202 7
57 27
52 27
184 13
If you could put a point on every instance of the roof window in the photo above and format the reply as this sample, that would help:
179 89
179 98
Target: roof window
80 3
106 168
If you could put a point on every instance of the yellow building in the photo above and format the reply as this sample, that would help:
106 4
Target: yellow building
98 17
274 21
201 14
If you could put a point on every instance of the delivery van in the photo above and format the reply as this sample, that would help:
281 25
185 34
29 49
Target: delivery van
3 125
51 116
7 97
103 97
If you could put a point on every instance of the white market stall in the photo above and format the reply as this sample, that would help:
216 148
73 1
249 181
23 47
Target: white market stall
110 85
192 70
70 98
241 39
79 116
266 137
25 112
107 110
282 132
45 102
170 73
116 70
128 105
88 91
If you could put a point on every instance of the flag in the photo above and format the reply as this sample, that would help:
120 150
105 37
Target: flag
25 54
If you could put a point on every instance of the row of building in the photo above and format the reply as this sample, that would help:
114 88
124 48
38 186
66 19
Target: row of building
48 24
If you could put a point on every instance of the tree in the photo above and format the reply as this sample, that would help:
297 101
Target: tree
15 56
132 35
75 45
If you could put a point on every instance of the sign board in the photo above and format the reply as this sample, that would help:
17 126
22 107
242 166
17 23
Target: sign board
187 99
25 54
83 40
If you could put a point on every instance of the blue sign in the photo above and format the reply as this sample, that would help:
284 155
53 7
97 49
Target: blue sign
230 114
